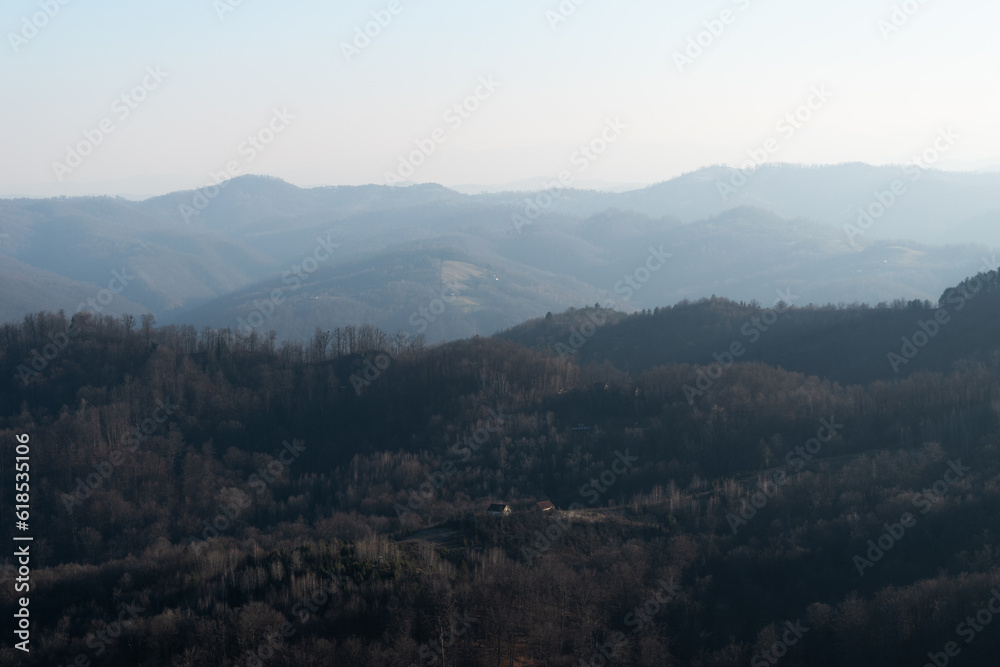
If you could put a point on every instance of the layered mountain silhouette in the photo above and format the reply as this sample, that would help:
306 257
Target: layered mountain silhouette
343 255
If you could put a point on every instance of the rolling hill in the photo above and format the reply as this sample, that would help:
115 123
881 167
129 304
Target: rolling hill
380 246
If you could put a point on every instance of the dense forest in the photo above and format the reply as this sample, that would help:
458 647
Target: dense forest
828 496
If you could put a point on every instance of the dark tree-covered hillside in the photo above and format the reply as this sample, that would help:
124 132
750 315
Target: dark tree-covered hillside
204 498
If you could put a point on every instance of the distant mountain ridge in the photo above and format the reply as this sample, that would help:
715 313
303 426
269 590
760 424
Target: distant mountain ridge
783 228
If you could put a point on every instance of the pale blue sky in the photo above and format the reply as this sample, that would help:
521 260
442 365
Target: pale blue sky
558 87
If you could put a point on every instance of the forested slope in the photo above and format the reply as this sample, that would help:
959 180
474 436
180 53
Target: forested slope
224 490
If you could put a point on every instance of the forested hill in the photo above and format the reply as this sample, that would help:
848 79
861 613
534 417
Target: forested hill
217 486
847 343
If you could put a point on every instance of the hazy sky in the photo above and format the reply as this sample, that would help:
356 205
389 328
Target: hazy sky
227 71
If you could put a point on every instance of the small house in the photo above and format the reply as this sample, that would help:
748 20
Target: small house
498 509
544 506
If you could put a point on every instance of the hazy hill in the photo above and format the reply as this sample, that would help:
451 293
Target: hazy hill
249 203
87 239
562 261
937 206
583 249
441 293
744 253
25 286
